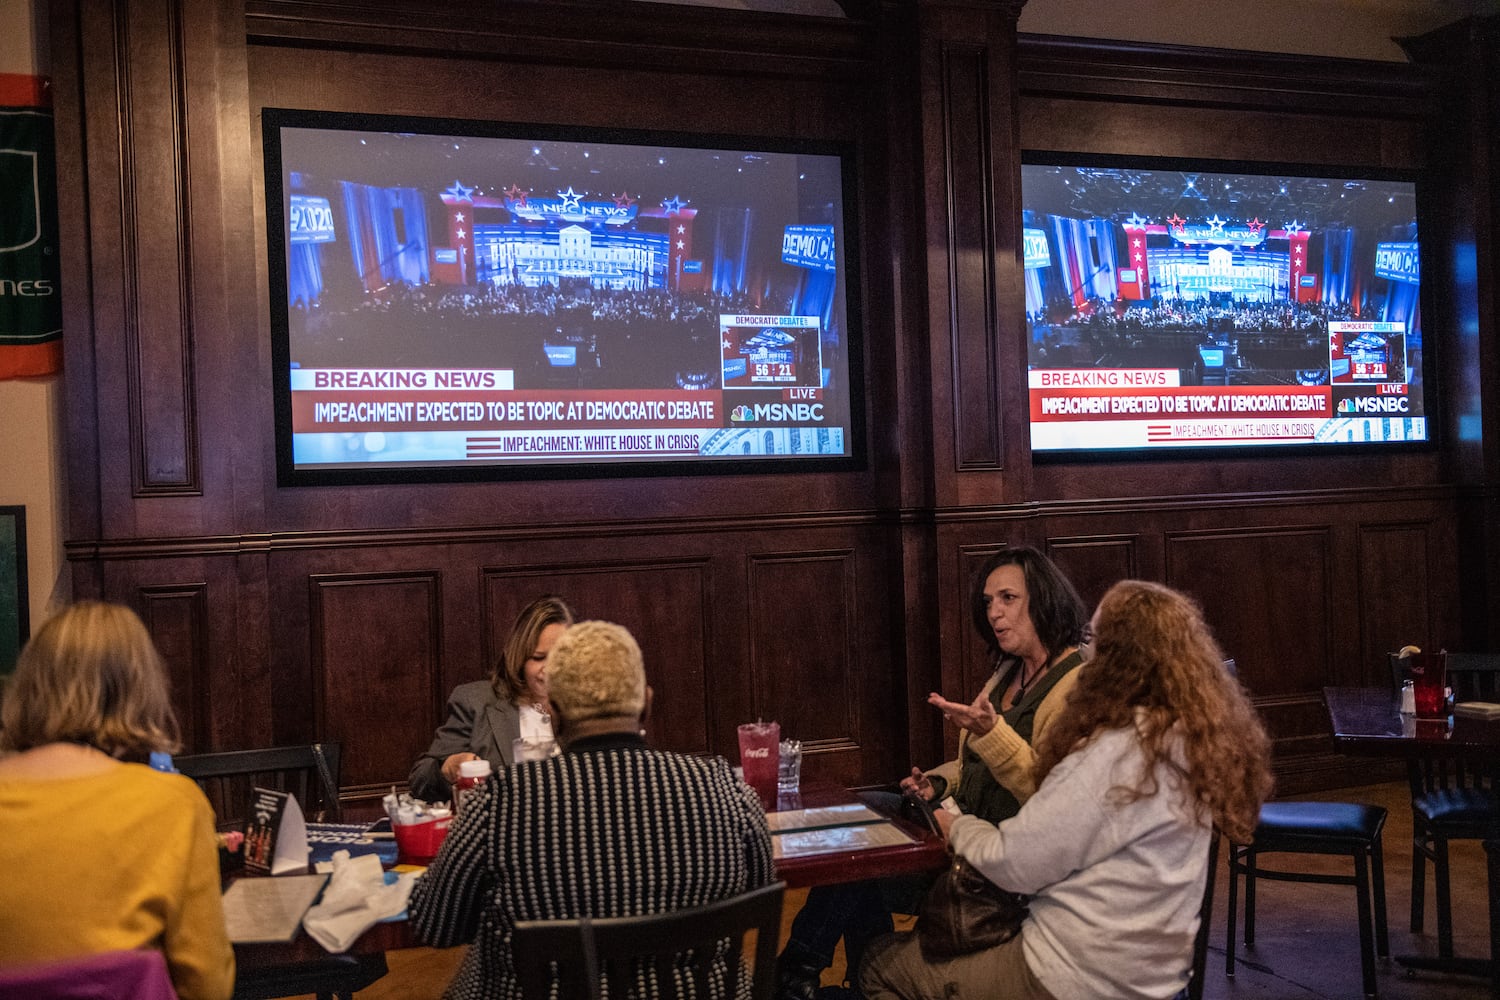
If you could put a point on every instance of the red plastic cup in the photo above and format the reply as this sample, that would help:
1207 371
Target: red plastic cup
1429 684
418 843
760 756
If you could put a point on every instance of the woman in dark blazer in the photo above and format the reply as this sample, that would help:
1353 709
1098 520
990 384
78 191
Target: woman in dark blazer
485 718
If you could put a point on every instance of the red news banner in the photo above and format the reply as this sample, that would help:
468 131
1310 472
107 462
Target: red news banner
471 410
1049 405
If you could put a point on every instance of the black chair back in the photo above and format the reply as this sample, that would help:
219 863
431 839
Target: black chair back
1474 676
310 772
692 947
1194 988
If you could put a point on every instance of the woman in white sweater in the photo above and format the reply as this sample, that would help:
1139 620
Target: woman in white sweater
1156 745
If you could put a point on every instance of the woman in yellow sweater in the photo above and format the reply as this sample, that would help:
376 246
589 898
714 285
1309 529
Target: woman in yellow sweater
101 855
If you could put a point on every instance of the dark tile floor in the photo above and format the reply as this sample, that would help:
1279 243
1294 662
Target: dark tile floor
1307 938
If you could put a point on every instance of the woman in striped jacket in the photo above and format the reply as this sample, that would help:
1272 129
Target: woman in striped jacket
610 828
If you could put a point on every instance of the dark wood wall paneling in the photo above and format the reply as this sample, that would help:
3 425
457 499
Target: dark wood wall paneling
1464 146
830 602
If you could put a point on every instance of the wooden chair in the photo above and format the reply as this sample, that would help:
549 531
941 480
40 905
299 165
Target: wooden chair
311 773
1452 797
1317 828
698 944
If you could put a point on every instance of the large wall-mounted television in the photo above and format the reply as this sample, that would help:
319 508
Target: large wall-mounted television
474 300
1177 304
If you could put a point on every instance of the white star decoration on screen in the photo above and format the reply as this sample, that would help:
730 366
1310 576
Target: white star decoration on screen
1136 220
570 199
458 216
1216 226
459 191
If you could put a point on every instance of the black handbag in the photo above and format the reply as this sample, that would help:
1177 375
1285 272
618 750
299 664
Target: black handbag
965 912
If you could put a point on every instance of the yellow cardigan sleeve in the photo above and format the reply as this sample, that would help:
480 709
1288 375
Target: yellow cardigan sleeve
194 939
1010 758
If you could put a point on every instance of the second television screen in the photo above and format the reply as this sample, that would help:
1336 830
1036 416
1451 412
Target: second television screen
1169 307
461 295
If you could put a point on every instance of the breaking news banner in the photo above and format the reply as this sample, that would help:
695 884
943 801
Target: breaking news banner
358 415
1194 402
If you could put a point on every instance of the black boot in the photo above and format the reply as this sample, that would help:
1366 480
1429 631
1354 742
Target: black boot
798 973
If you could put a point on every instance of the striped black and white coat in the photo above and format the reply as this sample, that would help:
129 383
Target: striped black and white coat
611 828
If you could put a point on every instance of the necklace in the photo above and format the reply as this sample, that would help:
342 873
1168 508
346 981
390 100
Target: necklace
1025 680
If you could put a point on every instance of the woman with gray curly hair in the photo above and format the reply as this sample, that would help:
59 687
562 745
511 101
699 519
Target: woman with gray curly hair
610 828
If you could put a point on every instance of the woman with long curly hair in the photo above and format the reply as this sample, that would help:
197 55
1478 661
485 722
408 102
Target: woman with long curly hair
1156 746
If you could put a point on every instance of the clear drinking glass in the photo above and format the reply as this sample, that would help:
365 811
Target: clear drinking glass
789 770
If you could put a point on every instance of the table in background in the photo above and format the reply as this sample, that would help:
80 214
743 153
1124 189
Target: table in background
1366 723
926 852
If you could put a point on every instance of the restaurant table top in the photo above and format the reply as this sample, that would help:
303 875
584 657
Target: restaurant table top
1366 722
920 851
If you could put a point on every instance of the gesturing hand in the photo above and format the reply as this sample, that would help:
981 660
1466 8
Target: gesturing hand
917 784
978 717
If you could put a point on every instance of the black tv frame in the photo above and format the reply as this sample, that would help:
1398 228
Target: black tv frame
273 119
1431 394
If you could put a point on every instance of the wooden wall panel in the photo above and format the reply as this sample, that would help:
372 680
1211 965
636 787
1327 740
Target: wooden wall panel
177 618
158 286
1067 125
1396 590
376 641
1094 564
1268 595
971 310
802 672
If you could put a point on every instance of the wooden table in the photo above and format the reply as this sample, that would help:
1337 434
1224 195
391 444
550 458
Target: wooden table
926 852
1366 723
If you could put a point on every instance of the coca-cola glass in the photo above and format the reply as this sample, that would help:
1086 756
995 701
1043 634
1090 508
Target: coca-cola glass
1429 679
760 756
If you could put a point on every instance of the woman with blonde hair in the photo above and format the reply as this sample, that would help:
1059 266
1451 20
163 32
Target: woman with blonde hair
1157 745
485 718
100 852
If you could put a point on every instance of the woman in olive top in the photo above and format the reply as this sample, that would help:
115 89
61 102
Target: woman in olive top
1032 622
99 854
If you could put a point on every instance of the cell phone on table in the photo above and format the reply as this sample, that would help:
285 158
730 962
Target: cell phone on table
922 812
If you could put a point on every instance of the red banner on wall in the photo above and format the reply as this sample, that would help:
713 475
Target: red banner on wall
30 272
